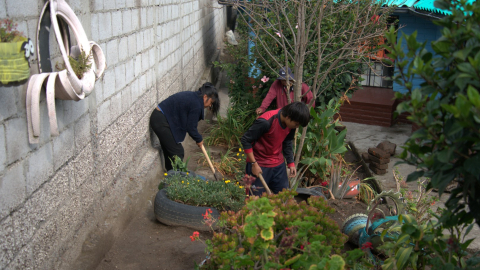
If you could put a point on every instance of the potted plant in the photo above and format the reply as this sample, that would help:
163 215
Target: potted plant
183 198
15 49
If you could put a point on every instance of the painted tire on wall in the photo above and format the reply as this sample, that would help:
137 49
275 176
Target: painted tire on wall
172 213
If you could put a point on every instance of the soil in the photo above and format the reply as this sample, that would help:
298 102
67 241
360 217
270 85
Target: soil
148 244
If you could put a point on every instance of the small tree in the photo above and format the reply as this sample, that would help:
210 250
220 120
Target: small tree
334 33
446 106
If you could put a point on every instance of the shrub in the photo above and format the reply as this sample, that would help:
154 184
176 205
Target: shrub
275 232
222 195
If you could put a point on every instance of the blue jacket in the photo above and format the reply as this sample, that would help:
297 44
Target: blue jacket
183 110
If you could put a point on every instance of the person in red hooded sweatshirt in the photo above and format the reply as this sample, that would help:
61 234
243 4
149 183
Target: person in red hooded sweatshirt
278 91
268 144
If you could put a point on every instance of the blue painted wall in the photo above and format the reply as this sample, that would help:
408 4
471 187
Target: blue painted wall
426 31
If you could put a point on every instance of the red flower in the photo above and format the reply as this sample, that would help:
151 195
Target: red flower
367 245
324 184
207 214
194 236
301 247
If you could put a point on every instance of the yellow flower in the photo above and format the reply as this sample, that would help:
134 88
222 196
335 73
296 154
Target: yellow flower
206 182
238 154
228 181
187 173
165 174
240 186
242 155
239 149
182 182
198 180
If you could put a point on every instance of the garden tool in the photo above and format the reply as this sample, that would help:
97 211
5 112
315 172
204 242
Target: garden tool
209 161
264 184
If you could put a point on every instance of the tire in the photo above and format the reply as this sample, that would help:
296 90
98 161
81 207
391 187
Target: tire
172 213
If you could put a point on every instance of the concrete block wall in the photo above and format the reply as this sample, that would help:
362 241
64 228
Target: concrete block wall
426 31
54 194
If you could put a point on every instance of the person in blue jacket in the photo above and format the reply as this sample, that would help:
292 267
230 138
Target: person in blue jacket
178 115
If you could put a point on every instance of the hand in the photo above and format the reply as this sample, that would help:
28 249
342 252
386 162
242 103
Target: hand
256 169
258 110
293 172
200 144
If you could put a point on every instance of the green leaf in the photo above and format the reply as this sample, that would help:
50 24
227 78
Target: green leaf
467 68
462 54
336 263
473 96
267 234
415 175
388 264
472 165
402 256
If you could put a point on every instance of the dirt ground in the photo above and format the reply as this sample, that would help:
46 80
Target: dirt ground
148 244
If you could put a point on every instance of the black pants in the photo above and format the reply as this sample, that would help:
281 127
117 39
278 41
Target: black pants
170 148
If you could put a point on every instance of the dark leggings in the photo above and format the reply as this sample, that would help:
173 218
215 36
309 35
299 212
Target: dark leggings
170 148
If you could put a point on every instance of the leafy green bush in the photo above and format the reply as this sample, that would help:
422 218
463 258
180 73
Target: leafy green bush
275 232
323 143
446 106
222 195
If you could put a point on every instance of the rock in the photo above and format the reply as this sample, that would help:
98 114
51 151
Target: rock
365 157
379 166
378 160
388 147
378 153
376 170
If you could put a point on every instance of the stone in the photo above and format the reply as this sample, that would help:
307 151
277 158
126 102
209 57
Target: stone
376 170
378 153
365 157
379 166
388 147
378 160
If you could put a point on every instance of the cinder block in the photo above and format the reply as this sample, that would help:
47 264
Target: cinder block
7 245
115 106
102 116
108 4
3 151
12 189
129 3
3 14
138 65
123 49
117 20
139 37
16 139
126 98
109 86
120 4
112 52
150 16
105 26
63 148
129 71
127 21
97 5
132 45
135 19
82 132
83 166
378 153
94 26
40 167
18 8
145 61
98 92
378 160
120 77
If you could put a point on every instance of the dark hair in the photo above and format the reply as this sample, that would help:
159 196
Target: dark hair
298 112
211 92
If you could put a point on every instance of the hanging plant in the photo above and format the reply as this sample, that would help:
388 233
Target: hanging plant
15 50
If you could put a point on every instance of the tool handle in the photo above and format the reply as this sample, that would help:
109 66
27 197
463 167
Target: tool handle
208 159
264 184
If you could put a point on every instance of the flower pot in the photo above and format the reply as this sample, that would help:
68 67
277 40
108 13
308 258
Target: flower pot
173 213
13 64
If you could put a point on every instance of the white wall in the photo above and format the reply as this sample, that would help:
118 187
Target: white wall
55 193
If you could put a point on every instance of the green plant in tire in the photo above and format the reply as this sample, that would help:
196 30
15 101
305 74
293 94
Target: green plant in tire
179 165
222 195
276 232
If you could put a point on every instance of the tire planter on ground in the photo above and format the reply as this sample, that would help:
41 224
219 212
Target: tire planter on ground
172 213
